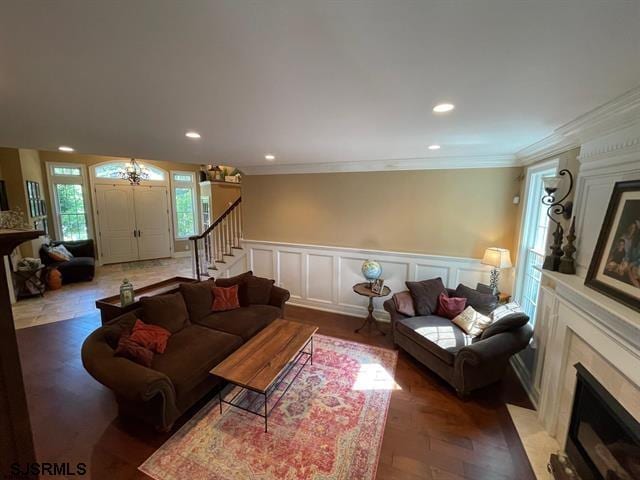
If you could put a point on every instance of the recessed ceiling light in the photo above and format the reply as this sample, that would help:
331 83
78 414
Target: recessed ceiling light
434 147
268 156
64 148
192 134
444 107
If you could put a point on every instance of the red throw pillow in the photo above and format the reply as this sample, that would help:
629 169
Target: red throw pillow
150 336
127 348
450 307
225 299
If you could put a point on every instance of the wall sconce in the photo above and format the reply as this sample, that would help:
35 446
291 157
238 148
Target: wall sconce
558 207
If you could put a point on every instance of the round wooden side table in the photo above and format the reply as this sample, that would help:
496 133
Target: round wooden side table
365 290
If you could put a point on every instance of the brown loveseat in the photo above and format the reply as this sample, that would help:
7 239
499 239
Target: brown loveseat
463 361
180 376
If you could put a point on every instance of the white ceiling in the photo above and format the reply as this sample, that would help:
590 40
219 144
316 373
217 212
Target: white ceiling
309 81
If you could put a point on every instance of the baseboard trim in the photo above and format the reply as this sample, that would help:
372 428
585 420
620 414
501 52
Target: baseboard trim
381 315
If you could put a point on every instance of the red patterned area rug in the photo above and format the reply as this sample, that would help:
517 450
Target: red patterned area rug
328 425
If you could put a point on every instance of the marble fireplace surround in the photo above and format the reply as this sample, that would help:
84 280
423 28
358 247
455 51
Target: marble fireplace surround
584 326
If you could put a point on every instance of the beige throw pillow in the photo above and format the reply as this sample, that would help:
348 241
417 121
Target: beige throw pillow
472 322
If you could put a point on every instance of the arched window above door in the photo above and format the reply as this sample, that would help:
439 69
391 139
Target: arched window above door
113 169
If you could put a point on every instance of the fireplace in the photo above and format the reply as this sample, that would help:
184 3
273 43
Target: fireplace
604 439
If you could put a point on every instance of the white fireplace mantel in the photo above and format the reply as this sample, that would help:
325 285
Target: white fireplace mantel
583 325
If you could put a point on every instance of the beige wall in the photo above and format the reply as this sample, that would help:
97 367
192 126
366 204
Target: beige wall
222 196
19 166
444 212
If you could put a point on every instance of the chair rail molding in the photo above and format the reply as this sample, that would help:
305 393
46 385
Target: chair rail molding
322 277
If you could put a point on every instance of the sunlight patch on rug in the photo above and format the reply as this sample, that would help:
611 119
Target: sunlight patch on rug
329 425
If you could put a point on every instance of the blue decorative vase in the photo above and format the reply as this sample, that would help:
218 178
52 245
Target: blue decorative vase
371 270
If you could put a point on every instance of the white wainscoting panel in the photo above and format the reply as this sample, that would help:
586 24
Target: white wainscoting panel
323 277
289 268
320 284
261 261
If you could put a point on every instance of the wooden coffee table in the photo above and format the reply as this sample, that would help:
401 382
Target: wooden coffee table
261 364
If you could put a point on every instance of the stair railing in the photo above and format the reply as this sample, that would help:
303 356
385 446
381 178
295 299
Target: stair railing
217 241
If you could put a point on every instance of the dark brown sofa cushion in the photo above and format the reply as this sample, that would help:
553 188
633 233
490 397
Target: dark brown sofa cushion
231 281
244 321
119 326
237 280
258 290
198 296
167 311
191 354
436 334
484 303
425 295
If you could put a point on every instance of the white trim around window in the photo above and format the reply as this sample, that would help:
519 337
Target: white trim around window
184 179
69 174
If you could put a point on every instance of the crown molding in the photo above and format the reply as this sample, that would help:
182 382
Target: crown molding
618 115
550 146
432 163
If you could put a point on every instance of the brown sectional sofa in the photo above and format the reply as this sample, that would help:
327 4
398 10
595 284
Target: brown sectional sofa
180 376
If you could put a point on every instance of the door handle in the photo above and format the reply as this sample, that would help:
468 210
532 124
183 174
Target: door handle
139 233
135 233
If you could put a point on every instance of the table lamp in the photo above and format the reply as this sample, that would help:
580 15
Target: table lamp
497 258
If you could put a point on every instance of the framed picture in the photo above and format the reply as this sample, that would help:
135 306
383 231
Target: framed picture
33 194
377 286
615 265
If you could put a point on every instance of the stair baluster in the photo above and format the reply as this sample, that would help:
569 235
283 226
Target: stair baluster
217 240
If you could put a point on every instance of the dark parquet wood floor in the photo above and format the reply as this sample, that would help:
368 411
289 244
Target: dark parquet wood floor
430 433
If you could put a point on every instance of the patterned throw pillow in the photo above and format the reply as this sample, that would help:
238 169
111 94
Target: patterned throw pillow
127 348
59 253
450 307
225 299
150 336
504 310
472 322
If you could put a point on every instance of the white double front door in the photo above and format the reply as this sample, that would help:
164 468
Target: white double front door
133 222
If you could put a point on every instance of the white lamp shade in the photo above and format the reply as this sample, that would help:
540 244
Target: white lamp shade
497 257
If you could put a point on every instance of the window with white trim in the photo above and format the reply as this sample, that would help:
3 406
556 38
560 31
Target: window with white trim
183 197
67 183
113 169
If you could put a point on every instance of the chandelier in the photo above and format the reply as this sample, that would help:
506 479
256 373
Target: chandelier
134 172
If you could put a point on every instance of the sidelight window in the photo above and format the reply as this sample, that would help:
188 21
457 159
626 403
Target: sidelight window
183 187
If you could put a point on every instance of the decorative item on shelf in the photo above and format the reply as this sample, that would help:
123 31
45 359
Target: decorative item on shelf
371 270
126 293
377 286
216 172
556 207
203 173
497 258
567 263
13 219
615 264
134 172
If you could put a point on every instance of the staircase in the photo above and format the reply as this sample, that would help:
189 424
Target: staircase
216 249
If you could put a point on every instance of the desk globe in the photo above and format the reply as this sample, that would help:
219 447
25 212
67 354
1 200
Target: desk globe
371 270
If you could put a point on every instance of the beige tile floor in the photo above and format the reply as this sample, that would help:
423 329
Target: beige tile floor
79 299
536 441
